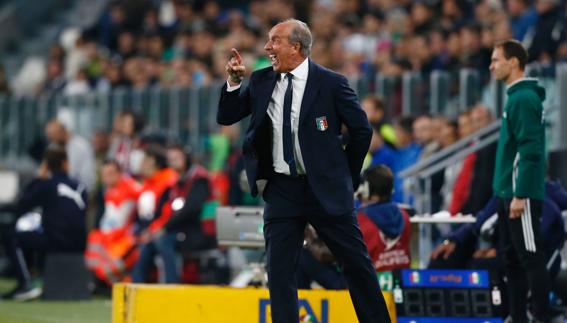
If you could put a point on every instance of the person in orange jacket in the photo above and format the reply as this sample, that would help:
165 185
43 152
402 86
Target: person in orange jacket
112 247
158 178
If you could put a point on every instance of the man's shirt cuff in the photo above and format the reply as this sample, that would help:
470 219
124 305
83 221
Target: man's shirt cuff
230 88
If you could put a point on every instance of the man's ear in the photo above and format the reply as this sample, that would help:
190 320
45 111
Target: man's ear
515 62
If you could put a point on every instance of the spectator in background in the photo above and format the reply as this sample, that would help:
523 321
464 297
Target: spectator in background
192 202
100 142
462 187
483 168
373 105
126 130
385 226
522 17
380 152
120 196
465 124
111 25
112 77
407 154
444 181
78 85
543 40
63 204
158 177
423 134
57 52
178 212
473 55
111 247
79 152
55 81
454 14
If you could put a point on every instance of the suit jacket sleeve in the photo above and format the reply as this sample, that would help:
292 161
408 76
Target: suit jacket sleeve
360 133
233 106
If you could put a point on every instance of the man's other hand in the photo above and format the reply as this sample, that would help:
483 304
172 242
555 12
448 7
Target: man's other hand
517 207
444 250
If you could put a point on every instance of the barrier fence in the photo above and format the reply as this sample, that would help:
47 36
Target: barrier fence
188 114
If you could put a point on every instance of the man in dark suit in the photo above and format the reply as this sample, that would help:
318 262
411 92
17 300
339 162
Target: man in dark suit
294 145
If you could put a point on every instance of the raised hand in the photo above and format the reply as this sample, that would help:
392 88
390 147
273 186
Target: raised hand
235 68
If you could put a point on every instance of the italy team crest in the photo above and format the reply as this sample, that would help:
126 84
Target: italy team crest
322 124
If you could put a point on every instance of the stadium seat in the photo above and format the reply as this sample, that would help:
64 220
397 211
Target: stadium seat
66 277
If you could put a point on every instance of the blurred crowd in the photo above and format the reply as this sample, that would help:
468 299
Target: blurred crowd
140 43
402 142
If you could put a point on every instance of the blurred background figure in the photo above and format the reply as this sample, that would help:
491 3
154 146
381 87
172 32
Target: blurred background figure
79 152
63 203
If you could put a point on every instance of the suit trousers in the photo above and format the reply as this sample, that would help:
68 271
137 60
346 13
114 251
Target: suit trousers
290 205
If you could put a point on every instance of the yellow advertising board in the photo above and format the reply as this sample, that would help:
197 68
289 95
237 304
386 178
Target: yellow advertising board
139 303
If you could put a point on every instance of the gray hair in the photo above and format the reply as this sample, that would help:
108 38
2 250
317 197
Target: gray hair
302 35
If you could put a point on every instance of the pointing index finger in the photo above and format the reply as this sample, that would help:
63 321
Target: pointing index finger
236 54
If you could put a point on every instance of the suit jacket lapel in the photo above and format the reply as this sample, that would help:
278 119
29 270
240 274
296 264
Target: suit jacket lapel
265 88
311 89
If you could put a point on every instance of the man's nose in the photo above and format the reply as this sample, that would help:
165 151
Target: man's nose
268 46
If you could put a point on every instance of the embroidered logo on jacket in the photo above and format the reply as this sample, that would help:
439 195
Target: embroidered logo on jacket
321 123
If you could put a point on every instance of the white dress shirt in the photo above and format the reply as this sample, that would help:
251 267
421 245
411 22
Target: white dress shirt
275 112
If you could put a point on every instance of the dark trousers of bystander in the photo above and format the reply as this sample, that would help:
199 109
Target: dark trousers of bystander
524 258
17 244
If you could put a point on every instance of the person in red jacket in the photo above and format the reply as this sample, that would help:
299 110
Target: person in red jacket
385 226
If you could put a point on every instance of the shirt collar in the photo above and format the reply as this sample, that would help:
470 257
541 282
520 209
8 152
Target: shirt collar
300 72
521 80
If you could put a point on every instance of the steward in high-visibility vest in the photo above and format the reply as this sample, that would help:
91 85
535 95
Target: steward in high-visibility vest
184 219
112 248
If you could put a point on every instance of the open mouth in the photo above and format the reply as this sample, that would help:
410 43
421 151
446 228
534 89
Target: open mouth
274 59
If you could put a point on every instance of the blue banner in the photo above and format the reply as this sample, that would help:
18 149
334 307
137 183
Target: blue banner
445 278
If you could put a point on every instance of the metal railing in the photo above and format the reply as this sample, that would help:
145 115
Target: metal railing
418 179
448 151
188 114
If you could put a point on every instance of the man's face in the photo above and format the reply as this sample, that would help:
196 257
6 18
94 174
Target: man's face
55 133
480 118
148 167
176 160
422 130
280 51
447 135
109 175
465 126
500 66
372 113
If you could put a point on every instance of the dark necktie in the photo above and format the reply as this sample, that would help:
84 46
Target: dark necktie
287 139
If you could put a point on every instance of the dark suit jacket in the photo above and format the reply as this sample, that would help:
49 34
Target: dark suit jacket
332 170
